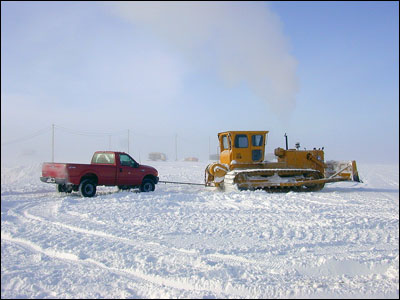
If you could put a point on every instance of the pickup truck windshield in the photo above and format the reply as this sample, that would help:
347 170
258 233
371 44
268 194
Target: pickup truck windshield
103 158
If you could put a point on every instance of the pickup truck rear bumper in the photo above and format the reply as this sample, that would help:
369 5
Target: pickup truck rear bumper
53 180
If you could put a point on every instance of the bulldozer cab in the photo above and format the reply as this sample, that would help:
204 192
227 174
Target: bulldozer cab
242 146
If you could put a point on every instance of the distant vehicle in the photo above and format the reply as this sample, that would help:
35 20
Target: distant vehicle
157 156
191 159
107 168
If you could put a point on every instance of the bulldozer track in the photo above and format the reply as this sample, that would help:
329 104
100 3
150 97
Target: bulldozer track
273 180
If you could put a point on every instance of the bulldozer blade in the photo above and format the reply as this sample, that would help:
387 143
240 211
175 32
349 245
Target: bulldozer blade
355 172
342 169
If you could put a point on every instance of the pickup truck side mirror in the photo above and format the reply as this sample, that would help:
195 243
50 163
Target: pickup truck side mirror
135 165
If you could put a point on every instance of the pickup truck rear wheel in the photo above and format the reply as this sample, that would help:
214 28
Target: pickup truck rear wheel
87 188
147 185
62 188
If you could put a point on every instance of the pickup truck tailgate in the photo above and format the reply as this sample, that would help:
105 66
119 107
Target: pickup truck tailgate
54 170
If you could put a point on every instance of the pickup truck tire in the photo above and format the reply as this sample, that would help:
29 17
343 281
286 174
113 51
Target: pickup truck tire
87 188
124 187
147 185
62 188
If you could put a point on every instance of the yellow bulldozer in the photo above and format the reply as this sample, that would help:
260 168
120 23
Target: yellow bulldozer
241 166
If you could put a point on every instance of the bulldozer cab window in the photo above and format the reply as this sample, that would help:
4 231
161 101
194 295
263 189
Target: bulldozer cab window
257 140
225 142
241 141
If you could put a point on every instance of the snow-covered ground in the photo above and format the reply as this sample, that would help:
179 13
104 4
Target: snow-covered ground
185 241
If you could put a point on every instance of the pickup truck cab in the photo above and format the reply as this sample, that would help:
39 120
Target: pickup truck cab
107 168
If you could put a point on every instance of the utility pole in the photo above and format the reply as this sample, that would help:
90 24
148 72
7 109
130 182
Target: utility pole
176 147
128 141
209 147
52 144
109 142
133 145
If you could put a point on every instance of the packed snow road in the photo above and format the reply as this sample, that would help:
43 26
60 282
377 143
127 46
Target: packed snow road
195 242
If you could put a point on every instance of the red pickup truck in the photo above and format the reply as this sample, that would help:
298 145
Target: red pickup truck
107 168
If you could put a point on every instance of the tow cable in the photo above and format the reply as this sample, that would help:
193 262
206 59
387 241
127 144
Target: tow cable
190 183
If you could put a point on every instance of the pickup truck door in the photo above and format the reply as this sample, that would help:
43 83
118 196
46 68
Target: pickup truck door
128 172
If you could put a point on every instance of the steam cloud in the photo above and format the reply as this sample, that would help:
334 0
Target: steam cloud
242 42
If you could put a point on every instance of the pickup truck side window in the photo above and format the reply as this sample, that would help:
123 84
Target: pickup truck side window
125 160
104 158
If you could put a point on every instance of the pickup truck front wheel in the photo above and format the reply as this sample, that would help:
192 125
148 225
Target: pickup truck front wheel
147 186
87 188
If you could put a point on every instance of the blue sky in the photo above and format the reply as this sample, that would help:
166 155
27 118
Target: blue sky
325 73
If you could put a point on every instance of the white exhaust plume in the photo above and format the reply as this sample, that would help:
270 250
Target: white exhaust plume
242 41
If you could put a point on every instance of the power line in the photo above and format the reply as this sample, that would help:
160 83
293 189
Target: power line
87 133
139 134
27 137
174 138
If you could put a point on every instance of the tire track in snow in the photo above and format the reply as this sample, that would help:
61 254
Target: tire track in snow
273 265
80 230
181 284
224 257
49 252
276 233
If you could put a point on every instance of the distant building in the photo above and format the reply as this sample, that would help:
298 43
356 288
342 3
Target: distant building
191 159
157 156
